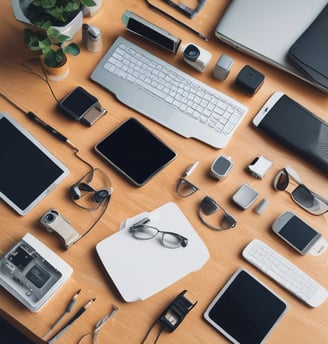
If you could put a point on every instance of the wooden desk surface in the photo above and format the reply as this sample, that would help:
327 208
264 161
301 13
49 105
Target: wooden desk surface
300 325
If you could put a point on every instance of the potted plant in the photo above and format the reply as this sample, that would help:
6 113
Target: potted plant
65 15
53 46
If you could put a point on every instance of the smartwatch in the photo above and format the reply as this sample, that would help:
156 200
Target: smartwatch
221 167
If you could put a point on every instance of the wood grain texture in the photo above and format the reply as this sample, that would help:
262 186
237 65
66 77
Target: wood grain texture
300 325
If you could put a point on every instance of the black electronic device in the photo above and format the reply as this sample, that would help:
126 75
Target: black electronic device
295 127
174 314
245 310
184 9
249 79
28 170
150 31
298 234
82 106
135 151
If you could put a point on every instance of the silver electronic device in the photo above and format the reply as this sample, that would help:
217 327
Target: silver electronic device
32 273
298 234
143 28
53 221
267 29
167 95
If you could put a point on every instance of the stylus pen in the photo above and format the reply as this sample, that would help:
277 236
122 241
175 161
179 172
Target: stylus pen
190 169
67 310
71 321
176 21
43 124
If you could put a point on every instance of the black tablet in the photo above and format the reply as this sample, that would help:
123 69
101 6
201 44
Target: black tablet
28 170
135 151
245 311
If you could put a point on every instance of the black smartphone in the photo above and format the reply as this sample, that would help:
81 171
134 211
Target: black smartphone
297 128
135 151
295 232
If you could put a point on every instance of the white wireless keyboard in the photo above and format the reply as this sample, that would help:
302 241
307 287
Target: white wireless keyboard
285 273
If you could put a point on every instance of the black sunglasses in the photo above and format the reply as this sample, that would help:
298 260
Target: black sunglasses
301 195
209 206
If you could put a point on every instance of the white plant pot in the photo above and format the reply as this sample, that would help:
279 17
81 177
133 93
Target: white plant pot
19 7
89 11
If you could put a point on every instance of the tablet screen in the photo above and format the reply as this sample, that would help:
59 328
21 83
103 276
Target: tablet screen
135 151
245 311
28 170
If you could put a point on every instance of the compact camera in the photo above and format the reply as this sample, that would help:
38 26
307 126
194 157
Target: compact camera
53 221
196 57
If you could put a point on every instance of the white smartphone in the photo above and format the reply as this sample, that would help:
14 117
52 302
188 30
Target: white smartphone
295 127
295 232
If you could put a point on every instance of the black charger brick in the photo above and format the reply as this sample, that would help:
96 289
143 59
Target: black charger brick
249 79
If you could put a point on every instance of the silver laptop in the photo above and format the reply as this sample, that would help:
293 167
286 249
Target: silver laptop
266 29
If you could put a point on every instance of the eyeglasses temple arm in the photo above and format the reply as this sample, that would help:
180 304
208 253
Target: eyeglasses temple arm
293 174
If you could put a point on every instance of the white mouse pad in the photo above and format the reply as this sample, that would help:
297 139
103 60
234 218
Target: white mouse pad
141 268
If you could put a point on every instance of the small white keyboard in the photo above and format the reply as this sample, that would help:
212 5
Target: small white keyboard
285 273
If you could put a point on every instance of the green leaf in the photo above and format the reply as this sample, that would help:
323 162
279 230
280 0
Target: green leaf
50 58
72 49
72 6
48 3
89 3
59 56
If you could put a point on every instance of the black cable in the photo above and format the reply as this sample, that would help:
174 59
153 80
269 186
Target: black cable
150 329
45 79
158 334
97 220
148 332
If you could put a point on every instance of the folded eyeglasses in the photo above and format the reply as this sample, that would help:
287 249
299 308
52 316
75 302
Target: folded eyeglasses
208 206
142 231
301 195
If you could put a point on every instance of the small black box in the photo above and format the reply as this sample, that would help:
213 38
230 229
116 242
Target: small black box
249 79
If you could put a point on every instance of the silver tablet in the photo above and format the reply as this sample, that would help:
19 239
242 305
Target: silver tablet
28 170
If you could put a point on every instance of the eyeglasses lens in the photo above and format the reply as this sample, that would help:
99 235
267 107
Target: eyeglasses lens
209 207
171 240
303 196
306 199
282 180
228 221
143 232
184 188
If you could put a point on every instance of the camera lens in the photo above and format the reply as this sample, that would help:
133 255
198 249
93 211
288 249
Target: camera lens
49 218
191 52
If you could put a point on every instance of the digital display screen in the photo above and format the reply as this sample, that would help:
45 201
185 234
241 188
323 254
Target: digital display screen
27 171
135 151
298 233
150 34
245 311
77 103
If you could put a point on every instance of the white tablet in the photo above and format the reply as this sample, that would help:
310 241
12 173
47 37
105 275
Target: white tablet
28 170
245 310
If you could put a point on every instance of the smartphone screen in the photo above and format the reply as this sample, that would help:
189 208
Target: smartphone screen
298 234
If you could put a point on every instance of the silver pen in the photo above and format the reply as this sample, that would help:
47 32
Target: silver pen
102 322
189 170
